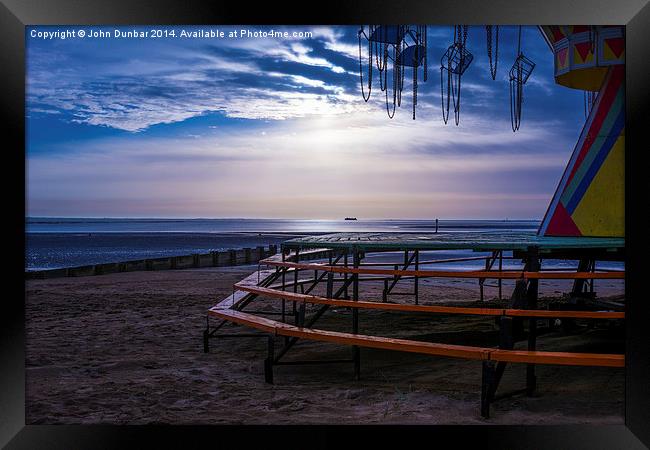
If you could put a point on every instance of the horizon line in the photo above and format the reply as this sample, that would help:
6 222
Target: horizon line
274 218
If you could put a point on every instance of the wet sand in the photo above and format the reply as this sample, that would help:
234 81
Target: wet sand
127 348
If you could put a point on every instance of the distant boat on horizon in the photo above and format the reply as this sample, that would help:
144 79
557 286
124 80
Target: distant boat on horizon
350 218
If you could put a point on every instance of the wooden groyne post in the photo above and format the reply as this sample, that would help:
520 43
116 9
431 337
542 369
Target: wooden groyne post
224 258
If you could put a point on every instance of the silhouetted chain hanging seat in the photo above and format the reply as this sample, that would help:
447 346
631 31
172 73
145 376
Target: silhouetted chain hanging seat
454 63
401 45
414 54
519 74
384 38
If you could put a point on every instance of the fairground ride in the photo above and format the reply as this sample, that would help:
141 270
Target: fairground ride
584 223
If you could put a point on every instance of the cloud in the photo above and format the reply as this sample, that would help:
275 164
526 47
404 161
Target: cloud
359 159
134 88
134 104
150 86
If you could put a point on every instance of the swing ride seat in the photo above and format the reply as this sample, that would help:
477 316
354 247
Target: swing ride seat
387 34
411 56
456 59
523 66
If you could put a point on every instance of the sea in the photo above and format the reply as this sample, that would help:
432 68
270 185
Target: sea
53 243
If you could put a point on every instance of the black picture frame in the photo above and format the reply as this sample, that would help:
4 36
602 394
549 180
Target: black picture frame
635 14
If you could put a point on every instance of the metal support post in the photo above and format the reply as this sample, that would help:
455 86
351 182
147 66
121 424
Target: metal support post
206 336
417 280
268 362
500 269
355 315
531 303
346 295
486 383
295 287
330 279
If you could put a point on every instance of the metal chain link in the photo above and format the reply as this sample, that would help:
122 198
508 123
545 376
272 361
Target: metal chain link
493 63
361 70
426 68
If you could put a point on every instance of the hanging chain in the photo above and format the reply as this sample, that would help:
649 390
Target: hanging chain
442 96
457 100
488 40
593 37
589 99
425 42
493 64
445 107
376 44
365 98
496 53
384 71
447 68
416 61
415 89
513 121
400 76
456 91
515 104
383 67
378 63
516 89
395 75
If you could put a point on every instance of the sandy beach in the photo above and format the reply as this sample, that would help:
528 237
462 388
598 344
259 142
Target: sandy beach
127 349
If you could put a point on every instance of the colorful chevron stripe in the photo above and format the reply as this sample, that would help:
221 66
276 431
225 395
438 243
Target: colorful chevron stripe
589 200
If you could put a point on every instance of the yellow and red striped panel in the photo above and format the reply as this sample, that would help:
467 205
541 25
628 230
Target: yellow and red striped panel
583 53
589 200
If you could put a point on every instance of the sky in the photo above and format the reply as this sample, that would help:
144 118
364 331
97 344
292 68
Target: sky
261 127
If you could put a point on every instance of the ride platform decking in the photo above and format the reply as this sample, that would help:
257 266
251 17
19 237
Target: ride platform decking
518 241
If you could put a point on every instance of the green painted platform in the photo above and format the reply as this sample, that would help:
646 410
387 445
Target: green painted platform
477 241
